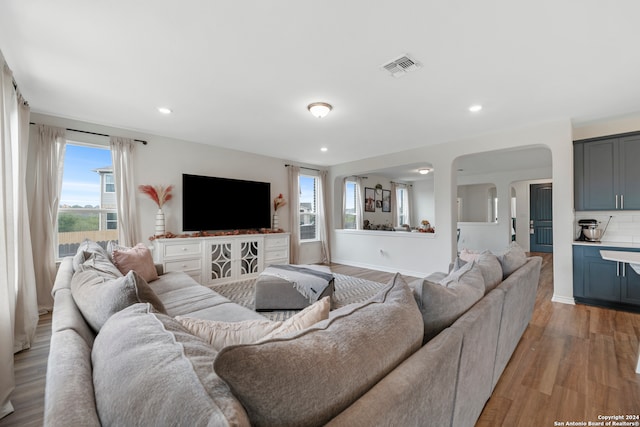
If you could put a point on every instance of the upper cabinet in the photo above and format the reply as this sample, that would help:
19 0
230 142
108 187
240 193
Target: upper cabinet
607 173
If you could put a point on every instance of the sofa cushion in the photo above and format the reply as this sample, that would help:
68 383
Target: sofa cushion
86 248
101 264
221 334
99 298
512 259
137 258
148 369
490 267
443 302
308 377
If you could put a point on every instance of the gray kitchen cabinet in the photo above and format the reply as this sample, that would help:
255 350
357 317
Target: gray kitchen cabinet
607 173
604 283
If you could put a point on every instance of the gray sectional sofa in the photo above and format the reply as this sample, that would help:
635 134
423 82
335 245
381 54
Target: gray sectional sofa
380 362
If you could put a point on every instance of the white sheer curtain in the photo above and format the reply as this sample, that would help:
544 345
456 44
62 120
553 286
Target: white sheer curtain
394 204
123 155
401 203
49 148
294 212
18 302
323 216
408 197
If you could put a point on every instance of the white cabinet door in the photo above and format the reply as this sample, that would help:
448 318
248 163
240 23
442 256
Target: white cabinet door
234 259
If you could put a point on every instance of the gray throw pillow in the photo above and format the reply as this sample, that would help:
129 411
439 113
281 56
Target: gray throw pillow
443 302
490 267
98 298
149 370
512 259
89 247
309 377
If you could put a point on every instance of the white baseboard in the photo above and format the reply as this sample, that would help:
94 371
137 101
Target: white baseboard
563 300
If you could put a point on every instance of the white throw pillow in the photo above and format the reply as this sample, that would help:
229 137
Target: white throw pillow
222 334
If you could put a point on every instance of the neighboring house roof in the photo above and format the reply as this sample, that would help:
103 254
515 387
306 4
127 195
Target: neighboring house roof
104 169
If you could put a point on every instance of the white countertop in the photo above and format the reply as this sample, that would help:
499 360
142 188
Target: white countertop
609 244
622 256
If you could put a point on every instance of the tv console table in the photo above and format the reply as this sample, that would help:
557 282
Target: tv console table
222 259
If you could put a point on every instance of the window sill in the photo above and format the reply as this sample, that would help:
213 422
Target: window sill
302 242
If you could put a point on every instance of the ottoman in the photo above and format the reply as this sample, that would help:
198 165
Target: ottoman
274 292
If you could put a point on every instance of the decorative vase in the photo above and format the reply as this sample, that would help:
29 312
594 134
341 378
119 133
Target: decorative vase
159 223
276 223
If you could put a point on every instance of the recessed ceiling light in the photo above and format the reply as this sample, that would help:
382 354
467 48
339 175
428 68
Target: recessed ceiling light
164 110
475 108
424 171
323 149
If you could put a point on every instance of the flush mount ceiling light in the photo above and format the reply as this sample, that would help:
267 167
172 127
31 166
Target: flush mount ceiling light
319 109
475 108
424 171
324 149
164 110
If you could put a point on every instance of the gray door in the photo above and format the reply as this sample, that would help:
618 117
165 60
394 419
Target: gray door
541 218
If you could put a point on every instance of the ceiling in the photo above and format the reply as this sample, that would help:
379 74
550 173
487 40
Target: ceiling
240 74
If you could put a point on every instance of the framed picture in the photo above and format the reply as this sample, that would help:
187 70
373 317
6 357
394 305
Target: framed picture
386 200
369 199
378 204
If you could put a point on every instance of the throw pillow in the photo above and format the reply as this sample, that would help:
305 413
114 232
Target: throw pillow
512 259
98 298
148 370
490 266
443 302
85 250
137 258
307 378
308 317
101 265
469 255
222 334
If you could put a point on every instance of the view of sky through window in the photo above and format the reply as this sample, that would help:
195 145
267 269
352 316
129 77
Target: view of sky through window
80 182
306 189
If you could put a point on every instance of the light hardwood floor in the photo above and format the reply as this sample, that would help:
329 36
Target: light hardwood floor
572 364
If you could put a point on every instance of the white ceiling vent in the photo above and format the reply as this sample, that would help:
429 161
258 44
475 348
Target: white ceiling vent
401 66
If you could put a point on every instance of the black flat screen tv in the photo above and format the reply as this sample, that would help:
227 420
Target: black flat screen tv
213 204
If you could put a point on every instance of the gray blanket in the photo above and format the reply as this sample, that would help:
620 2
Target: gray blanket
311 283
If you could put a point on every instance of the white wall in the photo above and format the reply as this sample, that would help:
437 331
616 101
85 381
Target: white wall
437 252
378 217
164 160
497 236
423 201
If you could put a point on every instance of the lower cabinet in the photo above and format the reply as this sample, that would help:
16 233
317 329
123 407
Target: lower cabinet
605 283
222 259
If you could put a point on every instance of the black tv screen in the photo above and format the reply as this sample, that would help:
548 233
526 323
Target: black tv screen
212 203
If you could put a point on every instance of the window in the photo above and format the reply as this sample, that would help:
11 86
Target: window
112 221
350 205
402 210
109 184
87 207
308 207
